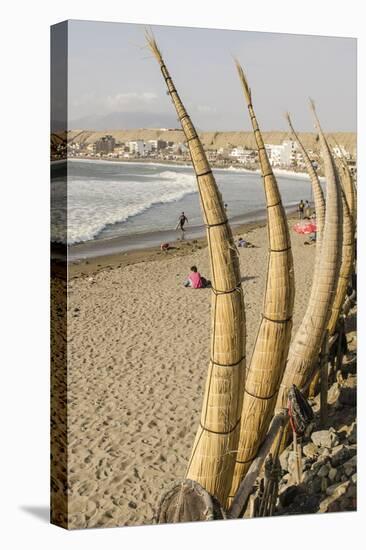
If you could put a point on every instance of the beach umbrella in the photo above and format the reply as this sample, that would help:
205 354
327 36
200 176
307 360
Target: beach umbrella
306 344
305 228
212 460
273 338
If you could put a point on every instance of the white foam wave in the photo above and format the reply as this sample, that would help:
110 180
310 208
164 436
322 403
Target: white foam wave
93 204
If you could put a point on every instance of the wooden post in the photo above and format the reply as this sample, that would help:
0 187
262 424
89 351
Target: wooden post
339 358
245 488
324 380
297 455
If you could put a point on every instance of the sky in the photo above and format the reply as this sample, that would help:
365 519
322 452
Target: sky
114 82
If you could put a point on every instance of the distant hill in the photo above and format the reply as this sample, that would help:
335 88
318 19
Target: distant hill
212 140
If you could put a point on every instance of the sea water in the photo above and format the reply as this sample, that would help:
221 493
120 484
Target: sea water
107 199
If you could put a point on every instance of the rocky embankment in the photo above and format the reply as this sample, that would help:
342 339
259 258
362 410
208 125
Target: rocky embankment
329 453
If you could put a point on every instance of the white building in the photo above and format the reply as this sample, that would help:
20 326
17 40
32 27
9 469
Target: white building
180 148
288 157
244 156
137 147
275 153
156 144
237 152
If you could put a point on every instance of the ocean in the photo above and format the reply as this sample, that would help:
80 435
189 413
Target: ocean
133 201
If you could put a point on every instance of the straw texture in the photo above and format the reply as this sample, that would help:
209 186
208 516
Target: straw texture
212 460
306 344
273 339
319 201
348 185
348 247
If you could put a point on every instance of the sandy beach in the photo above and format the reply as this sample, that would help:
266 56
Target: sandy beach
138 348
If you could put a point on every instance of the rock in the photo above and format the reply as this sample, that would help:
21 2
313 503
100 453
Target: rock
347 397
323 471
325 452
284 459
288 496
334 507
320 462
352 434
338 476
340 454
332 502
351 491
315 486
325 438
308 476
311 450
333 393
350 466
285 481
306 463
291 461
338 489
351 382
332 474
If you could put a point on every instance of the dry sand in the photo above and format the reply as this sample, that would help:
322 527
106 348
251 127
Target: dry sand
137 363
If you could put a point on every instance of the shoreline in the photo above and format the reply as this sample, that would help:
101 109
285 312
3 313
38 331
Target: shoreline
88 266
187 164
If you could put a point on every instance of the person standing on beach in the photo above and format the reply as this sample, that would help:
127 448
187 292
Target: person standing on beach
307 210
301 209
182 220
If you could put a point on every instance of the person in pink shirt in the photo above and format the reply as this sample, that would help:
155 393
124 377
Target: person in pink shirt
195 280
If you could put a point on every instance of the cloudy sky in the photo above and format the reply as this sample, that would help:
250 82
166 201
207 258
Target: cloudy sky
114 81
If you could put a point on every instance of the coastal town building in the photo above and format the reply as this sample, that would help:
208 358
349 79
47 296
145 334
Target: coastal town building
340 151
156 144
137 147
285 155
244 156
274 153
105 144
289 150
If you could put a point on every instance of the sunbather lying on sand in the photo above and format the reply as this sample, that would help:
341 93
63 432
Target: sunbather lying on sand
244 244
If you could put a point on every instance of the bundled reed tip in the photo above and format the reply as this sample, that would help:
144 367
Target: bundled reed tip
243 80
150 39
313 109
288 118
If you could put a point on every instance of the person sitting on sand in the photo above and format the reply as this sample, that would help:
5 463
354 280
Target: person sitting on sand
164 247
312 239
244 244
195 280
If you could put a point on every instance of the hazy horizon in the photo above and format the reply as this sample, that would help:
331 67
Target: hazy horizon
114 83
